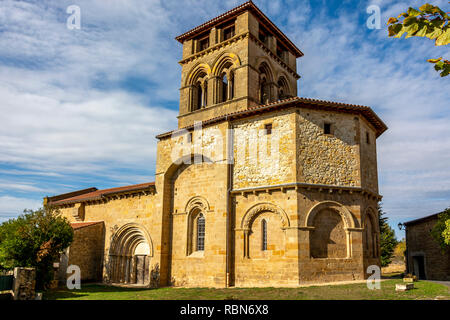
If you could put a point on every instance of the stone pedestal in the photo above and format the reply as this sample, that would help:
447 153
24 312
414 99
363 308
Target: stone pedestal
24 284
404 286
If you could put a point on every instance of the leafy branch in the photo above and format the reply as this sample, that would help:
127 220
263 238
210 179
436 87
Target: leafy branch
428 21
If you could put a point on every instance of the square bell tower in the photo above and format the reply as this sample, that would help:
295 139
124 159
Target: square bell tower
233 62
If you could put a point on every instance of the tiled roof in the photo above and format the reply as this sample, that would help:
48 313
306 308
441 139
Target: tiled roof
78 225
234 12
99 194
70 194
367 112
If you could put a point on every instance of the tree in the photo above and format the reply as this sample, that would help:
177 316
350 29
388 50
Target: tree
400 248
428 21
388 241
35 239
441 231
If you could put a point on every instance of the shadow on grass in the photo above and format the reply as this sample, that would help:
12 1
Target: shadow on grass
87 290
422 290
393 275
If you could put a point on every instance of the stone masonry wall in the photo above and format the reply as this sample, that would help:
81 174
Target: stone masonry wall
331 159
369 174
185 188
264 159
86 251
207 183
420 243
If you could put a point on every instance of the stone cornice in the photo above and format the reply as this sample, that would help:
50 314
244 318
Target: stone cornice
213 48
274 56
212 106
236 38
308 186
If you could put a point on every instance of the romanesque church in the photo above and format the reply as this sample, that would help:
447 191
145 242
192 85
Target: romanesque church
256 186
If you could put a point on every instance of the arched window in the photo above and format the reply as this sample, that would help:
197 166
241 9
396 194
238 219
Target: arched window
283 89
199 91
225 82
263 235
265 83
200 233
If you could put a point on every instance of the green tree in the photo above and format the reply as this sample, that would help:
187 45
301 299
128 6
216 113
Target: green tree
35 239
388 241
428 21
441 231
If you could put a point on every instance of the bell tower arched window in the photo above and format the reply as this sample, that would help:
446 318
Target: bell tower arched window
283 89
199 95
265 84
225 82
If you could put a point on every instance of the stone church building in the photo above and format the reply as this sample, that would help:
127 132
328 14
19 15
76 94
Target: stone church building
256 186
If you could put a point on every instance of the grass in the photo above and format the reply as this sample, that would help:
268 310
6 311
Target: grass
422 290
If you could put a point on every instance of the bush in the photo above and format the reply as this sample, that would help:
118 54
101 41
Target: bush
35 239
441 231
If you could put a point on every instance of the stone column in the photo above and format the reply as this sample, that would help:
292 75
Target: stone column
304 249
147 270
349 243
127 270
133 270
246 243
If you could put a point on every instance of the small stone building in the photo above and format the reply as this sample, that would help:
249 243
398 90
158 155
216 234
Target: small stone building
424 256
256 186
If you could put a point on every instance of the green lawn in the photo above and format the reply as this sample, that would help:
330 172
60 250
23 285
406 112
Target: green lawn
423 290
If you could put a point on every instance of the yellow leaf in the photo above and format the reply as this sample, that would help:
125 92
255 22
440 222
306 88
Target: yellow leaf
392 20
444 38
434 60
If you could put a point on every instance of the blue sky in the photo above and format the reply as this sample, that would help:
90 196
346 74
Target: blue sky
81 108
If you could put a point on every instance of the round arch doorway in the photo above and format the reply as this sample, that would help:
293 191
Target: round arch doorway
129 257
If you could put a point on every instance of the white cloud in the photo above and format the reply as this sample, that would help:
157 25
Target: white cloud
17 186
43 132
10 206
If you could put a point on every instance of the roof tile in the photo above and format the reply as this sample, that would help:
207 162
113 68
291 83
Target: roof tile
99 194
78 225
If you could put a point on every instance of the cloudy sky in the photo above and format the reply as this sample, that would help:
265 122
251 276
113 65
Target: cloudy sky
81 108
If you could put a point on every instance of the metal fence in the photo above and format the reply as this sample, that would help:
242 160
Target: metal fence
6 282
